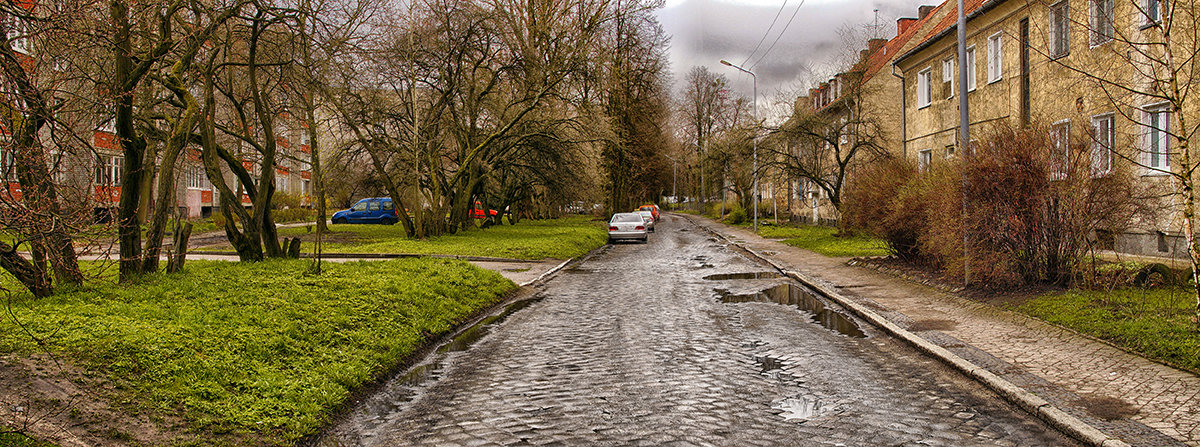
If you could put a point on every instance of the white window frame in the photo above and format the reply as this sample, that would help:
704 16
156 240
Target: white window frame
108 170
1101 23
1151 12
924 160
1055 34
17 34
1156 138
8 165
1060 135
924 88
971 71
948 74
995 57
1103 143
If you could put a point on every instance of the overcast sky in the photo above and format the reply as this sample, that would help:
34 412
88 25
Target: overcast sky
705 31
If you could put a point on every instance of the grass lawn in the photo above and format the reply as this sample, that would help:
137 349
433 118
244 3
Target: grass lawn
1158 323
19 440
264 348
823 240
530 239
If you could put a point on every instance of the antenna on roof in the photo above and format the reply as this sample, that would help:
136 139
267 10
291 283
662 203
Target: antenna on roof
875 27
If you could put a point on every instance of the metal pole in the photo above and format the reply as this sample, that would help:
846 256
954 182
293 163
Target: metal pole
964 131
754 140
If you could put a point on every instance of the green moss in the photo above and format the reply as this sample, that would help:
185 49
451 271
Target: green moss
530 239
254 347
1158 323
20 440
824 240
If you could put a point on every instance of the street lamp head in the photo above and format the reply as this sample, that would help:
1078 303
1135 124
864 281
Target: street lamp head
725 62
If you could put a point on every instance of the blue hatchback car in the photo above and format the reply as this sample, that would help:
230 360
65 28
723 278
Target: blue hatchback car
374 210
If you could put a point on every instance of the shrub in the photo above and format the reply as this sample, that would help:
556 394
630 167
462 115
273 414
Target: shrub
868 200
737 216
294 215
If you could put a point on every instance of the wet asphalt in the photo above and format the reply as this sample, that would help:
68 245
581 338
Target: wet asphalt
635 347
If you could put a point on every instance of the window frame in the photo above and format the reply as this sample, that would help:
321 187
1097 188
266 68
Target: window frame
972 72
925 87
948 74
1149 136
1054 34
1103 145
924 160
1060 136
995 57
1095 21
1146 7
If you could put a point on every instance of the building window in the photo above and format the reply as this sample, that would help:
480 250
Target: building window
197 179
1157 139
108 170
1060 37
1103 137
924 92
995 58
8 165
924 159
1152 12
1060 135
1101 21
16 31
971 68
948 77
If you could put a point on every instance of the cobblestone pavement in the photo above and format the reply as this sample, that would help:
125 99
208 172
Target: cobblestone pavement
1125 395
633 347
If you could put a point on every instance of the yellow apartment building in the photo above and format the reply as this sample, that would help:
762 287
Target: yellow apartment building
1044 62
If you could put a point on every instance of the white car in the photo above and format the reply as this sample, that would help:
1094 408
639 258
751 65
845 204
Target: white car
648 216
627 226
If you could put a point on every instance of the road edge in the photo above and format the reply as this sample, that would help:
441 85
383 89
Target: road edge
1026 400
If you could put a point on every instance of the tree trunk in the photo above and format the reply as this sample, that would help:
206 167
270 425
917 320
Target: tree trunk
31 277
179 246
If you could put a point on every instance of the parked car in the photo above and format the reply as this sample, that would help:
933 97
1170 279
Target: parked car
477 212
374 210
651 208
649 218
627 226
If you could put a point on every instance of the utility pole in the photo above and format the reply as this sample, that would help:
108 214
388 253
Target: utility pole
753 139
964 132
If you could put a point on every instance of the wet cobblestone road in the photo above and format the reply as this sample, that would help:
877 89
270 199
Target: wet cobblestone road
633 347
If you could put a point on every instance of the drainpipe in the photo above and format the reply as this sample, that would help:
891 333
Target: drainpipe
903 115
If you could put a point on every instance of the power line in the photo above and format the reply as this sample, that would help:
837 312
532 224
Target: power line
765 33
784 30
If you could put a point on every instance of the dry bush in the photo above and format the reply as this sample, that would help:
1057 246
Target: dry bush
1031 207
869 191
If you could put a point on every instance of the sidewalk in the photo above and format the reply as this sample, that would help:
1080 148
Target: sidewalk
1085 378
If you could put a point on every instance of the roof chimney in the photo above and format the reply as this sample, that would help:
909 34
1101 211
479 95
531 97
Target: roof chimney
874 45
903 24
923 11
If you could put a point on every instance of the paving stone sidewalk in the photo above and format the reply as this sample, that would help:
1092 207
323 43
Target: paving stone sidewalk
1075 373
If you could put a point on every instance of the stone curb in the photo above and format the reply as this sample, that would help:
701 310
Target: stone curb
1028 401
375 256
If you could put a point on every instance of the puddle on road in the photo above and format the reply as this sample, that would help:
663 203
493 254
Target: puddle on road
801 297
468 337
768 364
755 275
798 408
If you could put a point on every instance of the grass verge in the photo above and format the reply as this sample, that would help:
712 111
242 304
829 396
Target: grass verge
258 349
12 439
530 239
1157 323
823 240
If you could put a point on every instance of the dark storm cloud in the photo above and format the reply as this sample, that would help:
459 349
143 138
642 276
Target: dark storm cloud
706 31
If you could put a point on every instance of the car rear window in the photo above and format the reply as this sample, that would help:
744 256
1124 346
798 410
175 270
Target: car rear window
627 218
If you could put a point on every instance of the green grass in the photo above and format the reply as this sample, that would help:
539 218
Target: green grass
260 348
20 440
1158 323
530 239
823 240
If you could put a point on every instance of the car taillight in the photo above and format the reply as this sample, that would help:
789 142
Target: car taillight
612 228
639 227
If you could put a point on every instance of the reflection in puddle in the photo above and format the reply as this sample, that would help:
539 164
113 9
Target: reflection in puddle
754 275
799 296
798 408
474 333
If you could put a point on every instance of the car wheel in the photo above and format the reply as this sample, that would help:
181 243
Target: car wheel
610 240
340 221
388 221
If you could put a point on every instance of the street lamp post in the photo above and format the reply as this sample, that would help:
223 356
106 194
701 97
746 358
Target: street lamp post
754 139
